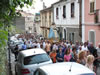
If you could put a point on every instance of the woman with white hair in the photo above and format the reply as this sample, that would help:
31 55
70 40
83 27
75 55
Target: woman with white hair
89 62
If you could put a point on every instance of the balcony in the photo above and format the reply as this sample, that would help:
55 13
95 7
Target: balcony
97 16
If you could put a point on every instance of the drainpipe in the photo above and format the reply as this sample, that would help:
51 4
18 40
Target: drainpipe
80 19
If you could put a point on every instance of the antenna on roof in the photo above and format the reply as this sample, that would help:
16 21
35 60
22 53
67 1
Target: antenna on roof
70 67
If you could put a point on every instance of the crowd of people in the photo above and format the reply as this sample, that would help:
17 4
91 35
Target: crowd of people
64 51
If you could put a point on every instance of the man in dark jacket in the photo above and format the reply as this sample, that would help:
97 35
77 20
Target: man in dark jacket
91 48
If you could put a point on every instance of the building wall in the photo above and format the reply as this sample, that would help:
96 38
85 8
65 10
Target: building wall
68 21
19 22
46 21
42 22
94 28
97 4
83 21
70 24
90 25
29 21
89 17
76 34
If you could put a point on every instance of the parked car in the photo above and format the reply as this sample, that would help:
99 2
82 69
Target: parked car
64 68
29 60
13 44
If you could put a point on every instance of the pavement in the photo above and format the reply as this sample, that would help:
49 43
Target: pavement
13 63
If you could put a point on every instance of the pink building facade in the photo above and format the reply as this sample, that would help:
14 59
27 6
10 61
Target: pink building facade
91 21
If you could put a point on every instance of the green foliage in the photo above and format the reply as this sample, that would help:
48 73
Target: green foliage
7 14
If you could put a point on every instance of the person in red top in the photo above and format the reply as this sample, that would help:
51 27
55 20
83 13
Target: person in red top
53 55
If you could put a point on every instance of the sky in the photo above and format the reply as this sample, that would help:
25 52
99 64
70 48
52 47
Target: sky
38 5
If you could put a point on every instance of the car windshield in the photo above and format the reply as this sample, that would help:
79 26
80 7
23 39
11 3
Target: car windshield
36 59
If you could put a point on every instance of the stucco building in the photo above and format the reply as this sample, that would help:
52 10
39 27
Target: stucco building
46 21
91 21
66 19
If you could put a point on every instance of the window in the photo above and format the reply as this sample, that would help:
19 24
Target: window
57 13
49 17
46 18
71 37
92 37
92 6
72 9
36 59
64 11
65 34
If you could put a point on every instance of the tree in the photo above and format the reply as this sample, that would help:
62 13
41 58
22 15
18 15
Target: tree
7 14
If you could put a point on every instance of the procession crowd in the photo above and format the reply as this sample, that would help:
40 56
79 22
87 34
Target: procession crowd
64 51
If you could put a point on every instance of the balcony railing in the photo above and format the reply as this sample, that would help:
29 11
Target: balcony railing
97 16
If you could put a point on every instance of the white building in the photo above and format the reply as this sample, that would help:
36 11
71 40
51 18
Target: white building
66 19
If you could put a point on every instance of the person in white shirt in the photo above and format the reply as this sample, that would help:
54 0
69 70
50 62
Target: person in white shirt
55 47
80 49
34 44
38 45
84 47
44 44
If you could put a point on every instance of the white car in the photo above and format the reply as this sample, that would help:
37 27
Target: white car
29 60
64 68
